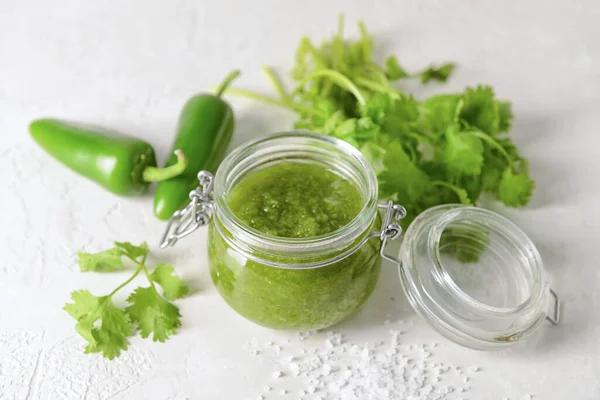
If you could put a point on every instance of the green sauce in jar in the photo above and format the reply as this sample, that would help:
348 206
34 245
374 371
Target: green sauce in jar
294 200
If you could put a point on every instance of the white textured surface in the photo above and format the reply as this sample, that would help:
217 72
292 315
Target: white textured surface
130 65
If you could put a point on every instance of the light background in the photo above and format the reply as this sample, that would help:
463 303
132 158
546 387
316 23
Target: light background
130 65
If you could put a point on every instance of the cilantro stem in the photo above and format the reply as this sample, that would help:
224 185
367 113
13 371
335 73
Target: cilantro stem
492 142
276 82
141 266
149 278
340 31
227 81
319 62
270 100
377 87
338 78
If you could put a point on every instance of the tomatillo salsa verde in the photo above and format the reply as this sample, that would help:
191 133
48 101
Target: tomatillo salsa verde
294 200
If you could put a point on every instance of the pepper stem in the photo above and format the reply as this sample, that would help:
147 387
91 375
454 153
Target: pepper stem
155 174
227 81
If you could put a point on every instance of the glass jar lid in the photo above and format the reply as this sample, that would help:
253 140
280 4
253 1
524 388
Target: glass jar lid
475 277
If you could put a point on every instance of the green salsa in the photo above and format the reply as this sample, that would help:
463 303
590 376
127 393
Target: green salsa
294 200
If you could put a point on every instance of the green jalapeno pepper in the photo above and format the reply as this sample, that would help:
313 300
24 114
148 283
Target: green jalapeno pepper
121 164
204 131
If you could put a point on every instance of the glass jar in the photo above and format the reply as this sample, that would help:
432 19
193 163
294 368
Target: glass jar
471 273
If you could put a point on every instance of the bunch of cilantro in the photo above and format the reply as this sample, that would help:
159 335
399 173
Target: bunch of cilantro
107 328
448 148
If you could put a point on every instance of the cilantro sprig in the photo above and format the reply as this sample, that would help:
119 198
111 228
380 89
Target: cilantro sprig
448 148
107 328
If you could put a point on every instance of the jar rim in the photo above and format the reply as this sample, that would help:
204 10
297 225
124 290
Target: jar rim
278 146
537 290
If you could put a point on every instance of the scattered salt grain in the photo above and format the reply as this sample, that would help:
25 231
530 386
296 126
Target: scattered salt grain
340 369
266 388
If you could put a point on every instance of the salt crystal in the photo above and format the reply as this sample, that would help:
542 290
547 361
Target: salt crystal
311 389
254 352
466 379
295 368
277 374
528 396
269 343
283 391
277 349
329 344
473 368
301 393
326 369
266 388
259 397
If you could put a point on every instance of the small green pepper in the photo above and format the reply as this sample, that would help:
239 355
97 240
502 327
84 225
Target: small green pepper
121 164
204 131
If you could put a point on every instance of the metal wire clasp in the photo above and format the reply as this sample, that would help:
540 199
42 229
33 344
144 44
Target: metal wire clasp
194 215
390 227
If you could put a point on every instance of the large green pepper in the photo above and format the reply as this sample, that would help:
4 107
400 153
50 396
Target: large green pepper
121 164
204 131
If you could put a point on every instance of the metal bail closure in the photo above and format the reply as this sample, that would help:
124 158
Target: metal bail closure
554 316
194 215
391 228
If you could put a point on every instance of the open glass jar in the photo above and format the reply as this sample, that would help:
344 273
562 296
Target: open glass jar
496 298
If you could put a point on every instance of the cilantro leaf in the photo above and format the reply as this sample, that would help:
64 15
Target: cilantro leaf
173 286
464 153
515 190
104 261
393 69
441 112
439 74
105 327
153 314
505 116
100 323
401 179
131 251
480 109
492 170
